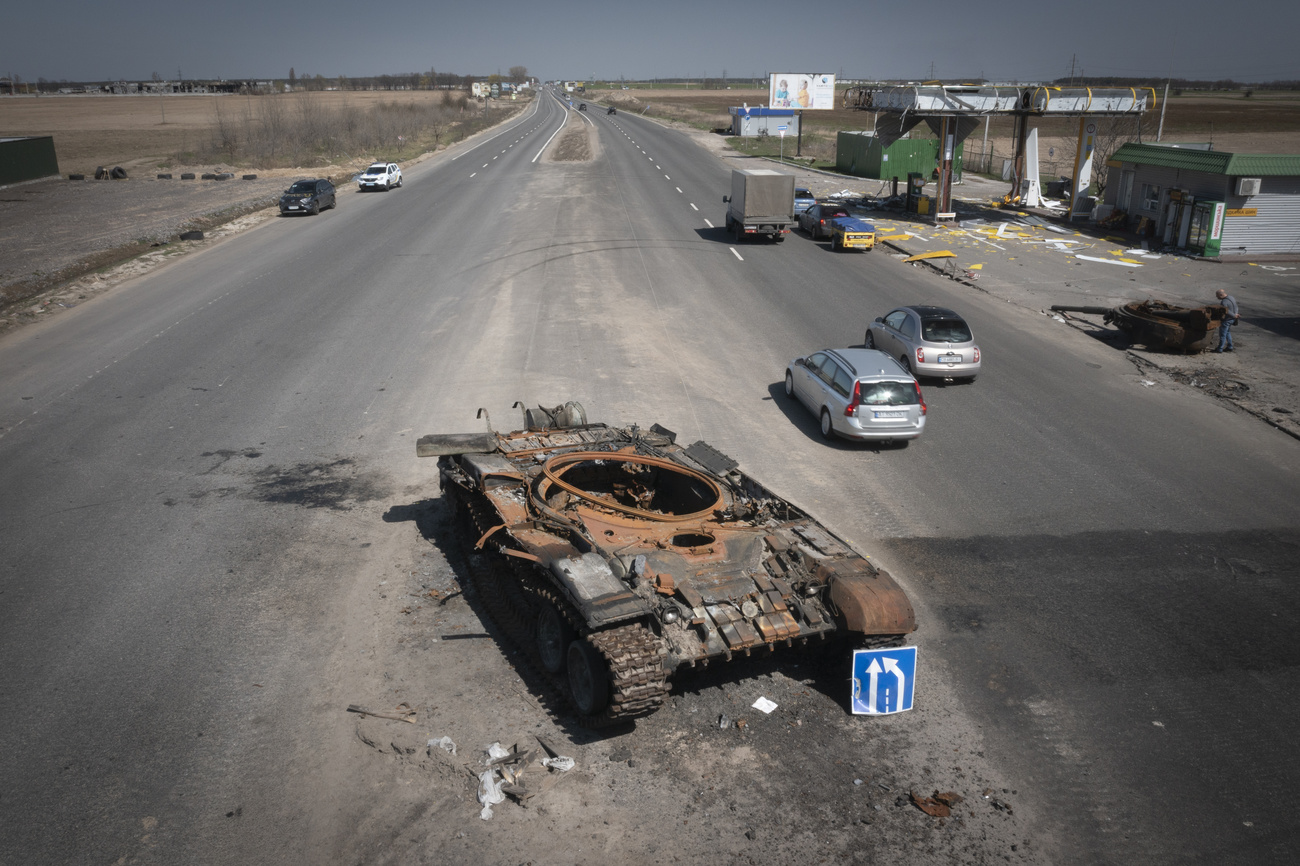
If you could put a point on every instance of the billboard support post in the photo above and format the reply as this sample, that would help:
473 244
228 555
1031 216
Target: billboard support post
798 147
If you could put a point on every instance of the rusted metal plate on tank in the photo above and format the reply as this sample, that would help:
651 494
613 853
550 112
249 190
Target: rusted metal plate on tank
821 539
588 576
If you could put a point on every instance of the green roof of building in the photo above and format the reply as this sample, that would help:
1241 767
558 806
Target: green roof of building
1210 161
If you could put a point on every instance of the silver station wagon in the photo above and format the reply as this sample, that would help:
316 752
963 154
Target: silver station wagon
859 394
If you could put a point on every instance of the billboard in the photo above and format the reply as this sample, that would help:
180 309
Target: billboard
801 90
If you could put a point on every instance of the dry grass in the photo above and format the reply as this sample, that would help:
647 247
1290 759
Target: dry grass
253 132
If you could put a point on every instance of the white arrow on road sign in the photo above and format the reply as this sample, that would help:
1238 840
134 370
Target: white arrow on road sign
874 671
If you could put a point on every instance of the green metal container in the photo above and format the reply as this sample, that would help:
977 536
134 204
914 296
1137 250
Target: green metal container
860 154
27 159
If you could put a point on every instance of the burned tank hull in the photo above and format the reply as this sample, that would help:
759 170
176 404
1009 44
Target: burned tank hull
1158 325
615 557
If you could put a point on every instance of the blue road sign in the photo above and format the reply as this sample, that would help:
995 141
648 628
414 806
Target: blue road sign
883 680
782 128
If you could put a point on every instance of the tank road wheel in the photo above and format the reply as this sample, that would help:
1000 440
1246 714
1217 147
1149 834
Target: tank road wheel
588 678
553 638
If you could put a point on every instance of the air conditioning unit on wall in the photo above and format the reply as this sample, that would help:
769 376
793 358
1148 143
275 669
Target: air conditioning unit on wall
1247 186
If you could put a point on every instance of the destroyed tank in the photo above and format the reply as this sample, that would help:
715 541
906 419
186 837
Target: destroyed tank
612 557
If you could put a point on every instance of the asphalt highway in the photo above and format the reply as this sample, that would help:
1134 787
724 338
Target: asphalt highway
193 470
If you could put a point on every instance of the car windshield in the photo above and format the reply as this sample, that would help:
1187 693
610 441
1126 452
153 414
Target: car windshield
303 186
888 394
802 193
945 331
377 169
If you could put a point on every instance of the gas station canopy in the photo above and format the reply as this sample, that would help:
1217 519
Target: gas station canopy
953 112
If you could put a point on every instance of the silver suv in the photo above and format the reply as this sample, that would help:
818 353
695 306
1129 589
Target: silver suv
858 394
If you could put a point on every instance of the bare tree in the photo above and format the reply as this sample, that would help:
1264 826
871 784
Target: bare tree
518 73
1112 132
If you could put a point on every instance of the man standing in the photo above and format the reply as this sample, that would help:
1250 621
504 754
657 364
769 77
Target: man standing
1230 318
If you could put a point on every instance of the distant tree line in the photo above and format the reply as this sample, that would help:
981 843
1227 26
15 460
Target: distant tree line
428 80
1176 84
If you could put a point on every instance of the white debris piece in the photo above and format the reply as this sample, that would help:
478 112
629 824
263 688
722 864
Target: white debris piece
489 792
444 743
561 763
1108 261
764 705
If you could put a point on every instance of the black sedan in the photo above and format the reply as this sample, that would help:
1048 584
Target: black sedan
816 221
308 196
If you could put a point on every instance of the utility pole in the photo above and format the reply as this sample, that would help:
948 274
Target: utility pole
1161 129
1072 57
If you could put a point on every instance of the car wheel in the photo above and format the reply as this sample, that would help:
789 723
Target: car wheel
789 384
869 341
399 183
828 432
588 678
315 208
968 380
907 364
553 638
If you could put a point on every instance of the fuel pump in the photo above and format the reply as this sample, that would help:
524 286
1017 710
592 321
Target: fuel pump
915 191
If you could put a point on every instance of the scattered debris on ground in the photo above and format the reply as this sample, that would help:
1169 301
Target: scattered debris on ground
506 771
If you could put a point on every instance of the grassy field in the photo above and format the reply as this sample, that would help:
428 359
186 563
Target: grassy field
253 132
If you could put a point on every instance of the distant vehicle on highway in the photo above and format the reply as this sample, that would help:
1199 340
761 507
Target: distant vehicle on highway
611 110
582 106
816 220
803 199
308 196
860 394
929 341
381 175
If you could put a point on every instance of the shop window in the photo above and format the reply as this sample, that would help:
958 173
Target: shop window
1150 197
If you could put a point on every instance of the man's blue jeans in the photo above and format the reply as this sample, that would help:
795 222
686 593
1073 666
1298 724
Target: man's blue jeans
1225 335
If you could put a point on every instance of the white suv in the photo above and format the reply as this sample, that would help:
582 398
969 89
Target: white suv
859 394
381 175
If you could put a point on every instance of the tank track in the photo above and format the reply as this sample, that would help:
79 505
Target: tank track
512 593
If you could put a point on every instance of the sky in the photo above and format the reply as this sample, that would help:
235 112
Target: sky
1005 40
